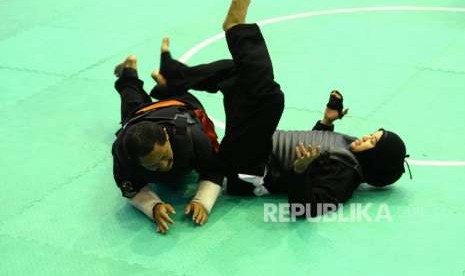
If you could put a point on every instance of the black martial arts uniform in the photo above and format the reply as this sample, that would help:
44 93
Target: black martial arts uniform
192 147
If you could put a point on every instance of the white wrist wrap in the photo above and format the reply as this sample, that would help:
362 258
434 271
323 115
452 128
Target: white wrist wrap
207 193
145 200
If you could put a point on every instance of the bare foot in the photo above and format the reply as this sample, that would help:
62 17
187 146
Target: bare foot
158 78
129 62
165 45
236 14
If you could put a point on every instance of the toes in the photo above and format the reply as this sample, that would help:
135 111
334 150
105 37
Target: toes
165 44
158 78
155 75
131 61
131 58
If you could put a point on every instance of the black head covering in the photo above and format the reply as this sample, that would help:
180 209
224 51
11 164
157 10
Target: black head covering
384 164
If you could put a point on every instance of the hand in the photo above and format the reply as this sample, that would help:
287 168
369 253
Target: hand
304 157
199 213
332 115
161 216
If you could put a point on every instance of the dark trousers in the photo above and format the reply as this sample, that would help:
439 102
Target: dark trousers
132 93
253 103
180 78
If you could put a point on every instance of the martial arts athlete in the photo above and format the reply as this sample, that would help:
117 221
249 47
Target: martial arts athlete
321 166
327 169
165 140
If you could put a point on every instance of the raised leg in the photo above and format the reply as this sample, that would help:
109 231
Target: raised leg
130 87
255 102
175 78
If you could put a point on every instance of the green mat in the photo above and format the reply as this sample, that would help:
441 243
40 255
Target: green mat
400 68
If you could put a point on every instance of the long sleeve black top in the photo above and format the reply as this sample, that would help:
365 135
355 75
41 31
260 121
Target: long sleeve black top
191 151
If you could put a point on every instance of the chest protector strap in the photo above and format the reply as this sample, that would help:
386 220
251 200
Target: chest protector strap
208 126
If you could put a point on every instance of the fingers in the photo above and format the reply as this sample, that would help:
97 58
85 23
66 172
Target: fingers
312 152
188 209
162 218
298 153
199 214
202 218
301 151
196 212
162 223
205 219
170 209
343 113
166 218
199 217
162 226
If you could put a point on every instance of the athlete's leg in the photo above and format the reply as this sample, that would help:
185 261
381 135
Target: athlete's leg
130 87
255 103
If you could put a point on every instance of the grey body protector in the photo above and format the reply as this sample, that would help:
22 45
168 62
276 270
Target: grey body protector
333 145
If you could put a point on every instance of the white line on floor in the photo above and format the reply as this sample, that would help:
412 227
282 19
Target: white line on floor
205 43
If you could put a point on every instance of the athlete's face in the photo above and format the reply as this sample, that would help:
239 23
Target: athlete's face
160 159
366 142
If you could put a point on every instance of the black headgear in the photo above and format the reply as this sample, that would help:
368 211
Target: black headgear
384 164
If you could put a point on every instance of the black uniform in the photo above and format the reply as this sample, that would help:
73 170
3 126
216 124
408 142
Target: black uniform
192 149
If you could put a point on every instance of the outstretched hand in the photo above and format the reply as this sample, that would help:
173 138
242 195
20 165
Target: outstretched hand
304 157
161 216
332 115
198 211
